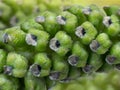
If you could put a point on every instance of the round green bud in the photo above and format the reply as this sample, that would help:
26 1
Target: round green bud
41 66
86 32
16 65
61 43
101 44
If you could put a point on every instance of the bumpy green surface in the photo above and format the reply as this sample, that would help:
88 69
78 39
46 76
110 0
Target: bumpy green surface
74 49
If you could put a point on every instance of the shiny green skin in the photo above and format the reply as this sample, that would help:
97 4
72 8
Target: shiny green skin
114 29
44 62
18 63
50 24
2 59
90 34
42 39
17 36
65 42
79 50
30 23
77 11
105 43
8 83
34 83
69 27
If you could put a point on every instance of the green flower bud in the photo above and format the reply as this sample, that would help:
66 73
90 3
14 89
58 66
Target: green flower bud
93 64
31 23
77 11
86 10
79 55
61 43
2 59
14 36
8 83
94 15
38 39
67 21
17 18
60 68
113 57
48 20
101 44
112 26
86 32
34 83
41 66
16 65
96 18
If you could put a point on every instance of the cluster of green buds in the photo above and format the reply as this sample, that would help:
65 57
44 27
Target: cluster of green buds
53 48
15 12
